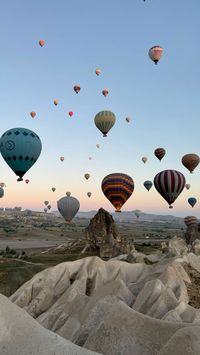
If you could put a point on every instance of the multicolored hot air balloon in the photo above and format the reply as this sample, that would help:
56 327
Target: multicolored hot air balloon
187 186
190 161
33 114
128 119
77 88
190 221
169 184
62 158
117 187
159 153
68 207
71 113
41 42
55 102
105 92
97 71
26 181
104 121
89 194
1 192
20 148
148 184
53 189
155 53
87 176
192 201
144 159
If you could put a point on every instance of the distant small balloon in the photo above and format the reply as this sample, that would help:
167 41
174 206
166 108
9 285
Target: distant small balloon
33 114
55 102
98 71
128 119
45 210
190 161
68 193
41 42
192 201
155 53
144 159
53 189
159 153
98 145
26 181
46 202
90 158
105 92
49 207
148 184
89 194
2 184
70 113
87 176
187 186
77 88
1 192
62 158
190 221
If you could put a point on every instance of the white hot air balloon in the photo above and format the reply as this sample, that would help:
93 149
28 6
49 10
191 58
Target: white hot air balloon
68 207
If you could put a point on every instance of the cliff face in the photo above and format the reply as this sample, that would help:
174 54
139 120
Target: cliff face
102 234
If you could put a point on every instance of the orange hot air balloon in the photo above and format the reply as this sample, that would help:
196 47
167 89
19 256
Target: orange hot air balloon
41 42
159 153
26 181
33 114
70 113
62 158
190 161
77 88
98 71
105 92
155 53
55 102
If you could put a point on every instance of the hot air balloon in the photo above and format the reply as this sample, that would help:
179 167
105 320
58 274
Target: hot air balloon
97 71
62 158
117 187
41 42
190 161
190 221
155 53
98 145
33 114
169 184
68 207
148 184
26 181
105 92
90 158
87 176
187 186
137 213
46 203
128 119
104 121
70 113
89 194
77 88
53 189
49 207
2 184
144 159
159 153
192 201
68 193
45 210
55 102
20 148
1 192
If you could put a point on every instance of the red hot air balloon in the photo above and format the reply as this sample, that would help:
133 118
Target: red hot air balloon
117 188
77 88
41 42
159 153
105 92
169 184
70 113
191 221
33 114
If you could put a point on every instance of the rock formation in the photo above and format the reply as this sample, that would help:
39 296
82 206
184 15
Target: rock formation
192 233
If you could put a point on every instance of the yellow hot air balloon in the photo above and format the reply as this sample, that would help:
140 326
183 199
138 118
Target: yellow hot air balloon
104 121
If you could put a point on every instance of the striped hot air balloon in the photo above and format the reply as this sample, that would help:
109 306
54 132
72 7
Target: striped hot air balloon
190 161
190 221
159 153
117 188
104 121
169 184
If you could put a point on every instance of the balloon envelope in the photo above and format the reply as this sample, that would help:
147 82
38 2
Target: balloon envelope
20 148
46 202
53 189
98 71
77 88
68 207
41 42
87 176
55 102
159 153
155 53
144 159
104 121
33 114
1 192
192 201
117 187
187 186
137 213
169 184
190 161
89 194
105 92
190 221
148 184
70 113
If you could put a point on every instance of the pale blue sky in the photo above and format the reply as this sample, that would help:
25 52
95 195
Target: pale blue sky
163 100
